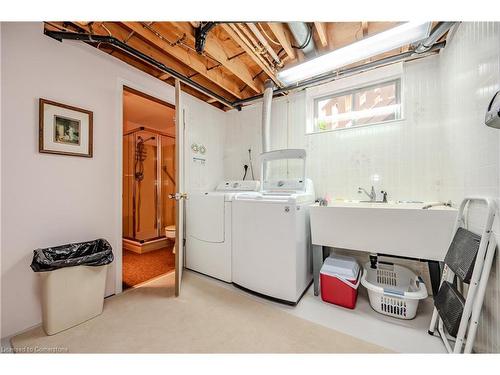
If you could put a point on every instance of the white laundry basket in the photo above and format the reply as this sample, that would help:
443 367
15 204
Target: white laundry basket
393 290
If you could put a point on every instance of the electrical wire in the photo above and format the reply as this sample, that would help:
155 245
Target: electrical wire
267 36
307 41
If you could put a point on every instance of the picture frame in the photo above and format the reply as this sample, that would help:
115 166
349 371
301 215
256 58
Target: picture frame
65 129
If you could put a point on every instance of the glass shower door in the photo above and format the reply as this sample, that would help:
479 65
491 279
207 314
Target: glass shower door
141 189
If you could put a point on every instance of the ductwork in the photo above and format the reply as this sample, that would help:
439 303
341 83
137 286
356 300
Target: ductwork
439 30
302 34
266 115
436 34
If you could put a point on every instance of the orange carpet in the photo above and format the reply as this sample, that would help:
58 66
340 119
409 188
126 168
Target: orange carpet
138 268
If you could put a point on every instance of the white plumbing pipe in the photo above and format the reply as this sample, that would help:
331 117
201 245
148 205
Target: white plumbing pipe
264 43
266 116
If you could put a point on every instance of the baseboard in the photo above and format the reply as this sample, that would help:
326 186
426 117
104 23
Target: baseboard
6 345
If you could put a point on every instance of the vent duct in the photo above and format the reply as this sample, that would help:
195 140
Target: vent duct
302 33
266 116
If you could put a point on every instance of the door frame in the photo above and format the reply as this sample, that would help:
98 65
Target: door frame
164 95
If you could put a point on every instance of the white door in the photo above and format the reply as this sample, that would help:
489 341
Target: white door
180 194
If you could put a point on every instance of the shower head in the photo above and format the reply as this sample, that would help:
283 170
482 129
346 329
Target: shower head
142 140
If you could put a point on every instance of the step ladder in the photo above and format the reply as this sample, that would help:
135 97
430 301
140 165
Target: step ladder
468 260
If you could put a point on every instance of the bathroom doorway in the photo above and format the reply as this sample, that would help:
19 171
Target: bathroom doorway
149 173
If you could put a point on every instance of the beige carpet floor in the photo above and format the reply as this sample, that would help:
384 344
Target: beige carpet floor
206 318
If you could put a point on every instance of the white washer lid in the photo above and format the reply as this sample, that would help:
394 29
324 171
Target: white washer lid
342 267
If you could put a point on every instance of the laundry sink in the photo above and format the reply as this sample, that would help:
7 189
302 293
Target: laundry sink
404 229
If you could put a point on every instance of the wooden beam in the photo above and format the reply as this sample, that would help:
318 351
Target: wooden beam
321 30
191 59
279 32
120 33
364 26
164 76
214 48
237 37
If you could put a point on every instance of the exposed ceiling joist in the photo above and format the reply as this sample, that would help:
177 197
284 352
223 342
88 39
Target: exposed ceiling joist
364 26
196 62
121 34
240 39
279 32
215 49
236 59
321 30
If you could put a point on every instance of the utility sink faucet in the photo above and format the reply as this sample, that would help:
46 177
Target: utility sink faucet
372 195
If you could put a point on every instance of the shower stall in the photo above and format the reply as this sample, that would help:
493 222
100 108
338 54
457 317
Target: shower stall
148 180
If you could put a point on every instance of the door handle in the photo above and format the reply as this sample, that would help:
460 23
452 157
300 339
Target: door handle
178 196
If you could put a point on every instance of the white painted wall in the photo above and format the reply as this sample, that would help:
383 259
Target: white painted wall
50 199
441 150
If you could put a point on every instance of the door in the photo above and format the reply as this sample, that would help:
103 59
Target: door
180 194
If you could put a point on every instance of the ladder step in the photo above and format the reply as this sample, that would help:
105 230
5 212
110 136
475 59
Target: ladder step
450 306
461 255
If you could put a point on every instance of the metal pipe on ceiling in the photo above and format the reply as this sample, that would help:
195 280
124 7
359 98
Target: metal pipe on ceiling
425 47
333 76
246 36
437 32
62 35
428 45
302 33
265 44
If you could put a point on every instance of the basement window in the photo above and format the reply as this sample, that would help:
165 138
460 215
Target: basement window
368 105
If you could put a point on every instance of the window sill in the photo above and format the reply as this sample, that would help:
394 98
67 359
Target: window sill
356 127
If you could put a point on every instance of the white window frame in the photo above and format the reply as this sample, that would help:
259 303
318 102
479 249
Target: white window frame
353 84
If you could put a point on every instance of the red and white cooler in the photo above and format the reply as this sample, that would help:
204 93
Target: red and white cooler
339 281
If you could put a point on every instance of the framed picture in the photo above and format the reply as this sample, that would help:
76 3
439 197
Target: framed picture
64 130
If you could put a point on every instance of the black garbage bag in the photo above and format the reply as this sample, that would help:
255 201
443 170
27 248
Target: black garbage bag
90 253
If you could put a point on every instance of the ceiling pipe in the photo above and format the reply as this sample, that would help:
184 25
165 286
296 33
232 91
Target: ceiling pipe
265 44
302 34
246 38
88 38
200 35
335 75
437 32
61 35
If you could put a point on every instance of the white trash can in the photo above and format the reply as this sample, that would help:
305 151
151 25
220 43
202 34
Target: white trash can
71 296
73 279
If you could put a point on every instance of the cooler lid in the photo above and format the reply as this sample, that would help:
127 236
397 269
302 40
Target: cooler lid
343 267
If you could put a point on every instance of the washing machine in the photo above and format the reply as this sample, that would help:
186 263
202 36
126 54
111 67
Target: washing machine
208 228
271 235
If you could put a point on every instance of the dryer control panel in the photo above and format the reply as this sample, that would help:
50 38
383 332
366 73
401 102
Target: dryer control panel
238 185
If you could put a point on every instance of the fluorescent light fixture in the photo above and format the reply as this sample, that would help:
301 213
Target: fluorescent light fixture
388 40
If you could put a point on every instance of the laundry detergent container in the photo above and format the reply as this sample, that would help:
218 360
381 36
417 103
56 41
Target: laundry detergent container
339 281
73 279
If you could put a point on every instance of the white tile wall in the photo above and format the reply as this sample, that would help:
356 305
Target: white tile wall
403 154
470 75
441 150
